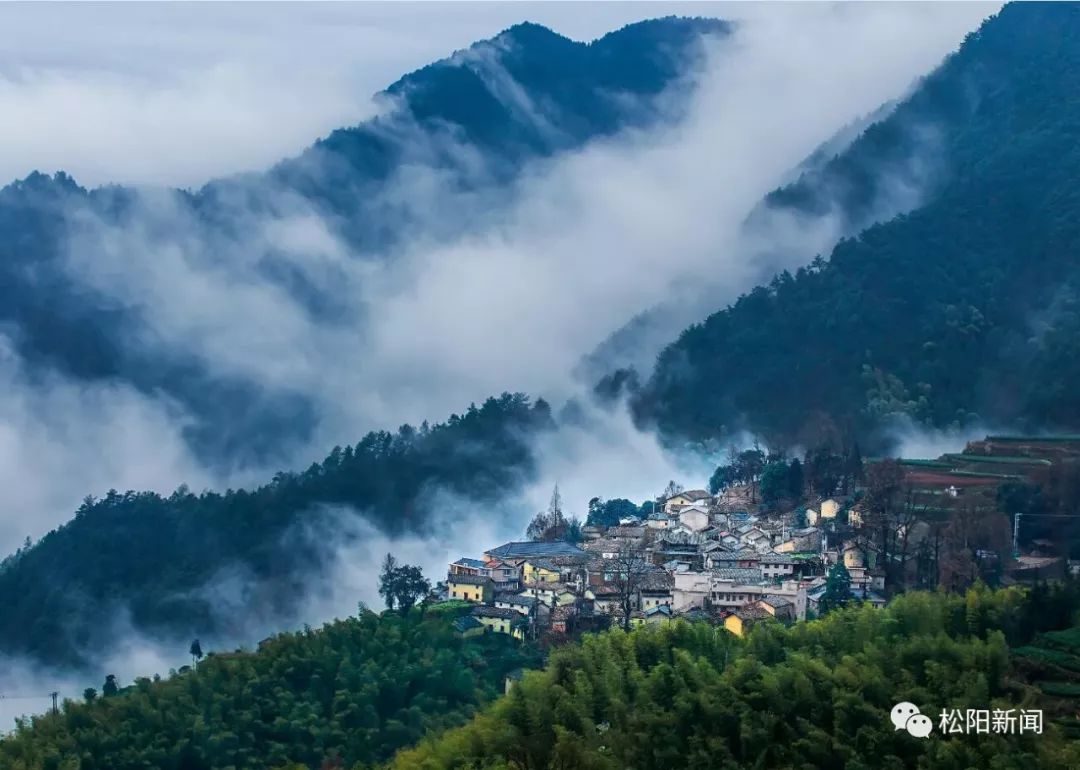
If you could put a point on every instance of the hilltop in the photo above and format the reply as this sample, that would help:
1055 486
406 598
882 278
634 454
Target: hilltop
440 158
962 310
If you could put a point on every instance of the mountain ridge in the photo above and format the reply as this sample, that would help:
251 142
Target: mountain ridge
932 316
345 179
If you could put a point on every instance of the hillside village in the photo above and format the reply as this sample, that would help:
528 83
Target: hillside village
732 557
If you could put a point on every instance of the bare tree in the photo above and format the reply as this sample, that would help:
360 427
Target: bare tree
971 529
884 481
905 516
629 564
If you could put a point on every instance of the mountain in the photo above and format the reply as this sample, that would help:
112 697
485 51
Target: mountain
353 691
156 564
818 694
443 154
960 311
234 564
693 695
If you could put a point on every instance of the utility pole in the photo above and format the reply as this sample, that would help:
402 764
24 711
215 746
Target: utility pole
54 696
1016 525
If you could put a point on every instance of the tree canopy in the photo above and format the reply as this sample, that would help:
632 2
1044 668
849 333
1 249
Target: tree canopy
348 694
816 694
928 317
152 553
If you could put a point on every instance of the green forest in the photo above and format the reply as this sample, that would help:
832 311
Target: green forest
150 552
348 694
406 691
964 309
816 694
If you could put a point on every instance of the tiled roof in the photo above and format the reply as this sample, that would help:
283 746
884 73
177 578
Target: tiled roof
471 563
556 562
777 558
472 580
657 581
603 544
545 585
777 601
466 623
523 601
752 613
738 574
525 550
484 611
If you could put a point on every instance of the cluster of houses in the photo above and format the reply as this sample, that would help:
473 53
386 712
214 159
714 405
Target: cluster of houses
700 556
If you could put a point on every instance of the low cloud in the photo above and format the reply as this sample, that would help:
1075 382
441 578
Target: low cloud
584 243
912 440
61 440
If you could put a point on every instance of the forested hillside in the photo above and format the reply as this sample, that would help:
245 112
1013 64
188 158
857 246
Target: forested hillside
153 556
693 695
964 310
817 694
345 695
459 132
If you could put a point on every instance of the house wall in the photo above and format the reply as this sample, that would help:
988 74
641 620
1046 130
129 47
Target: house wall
515 607
468 591
777 570
691 590
534 574
500 625
674 502
648 601
694 520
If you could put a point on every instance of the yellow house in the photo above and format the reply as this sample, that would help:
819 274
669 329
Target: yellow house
471 588
740 621
539 571
680 499
501 621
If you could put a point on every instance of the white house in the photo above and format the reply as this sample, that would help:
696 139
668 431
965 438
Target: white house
694 517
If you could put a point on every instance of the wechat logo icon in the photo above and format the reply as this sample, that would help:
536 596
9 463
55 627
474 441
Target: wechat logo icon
906 716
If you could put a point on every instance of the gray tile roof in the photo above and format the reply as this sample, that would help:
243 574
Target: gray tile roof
525 550
738 574
471 563
484 611
466 623
657 581
472 580
777 558
521 601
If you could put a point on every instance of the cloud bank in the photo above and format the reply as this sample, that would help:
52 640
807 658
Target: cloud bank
584 243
